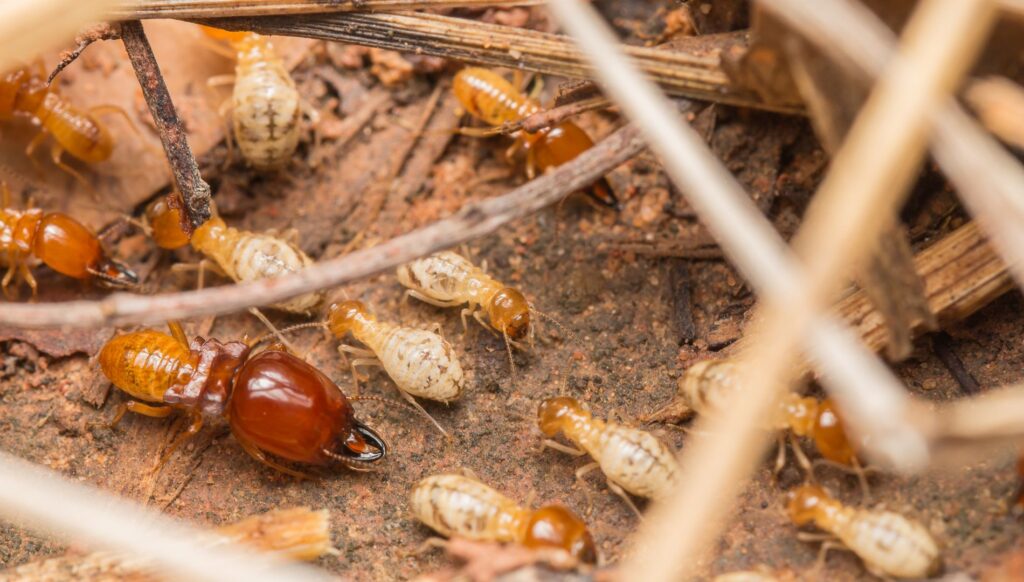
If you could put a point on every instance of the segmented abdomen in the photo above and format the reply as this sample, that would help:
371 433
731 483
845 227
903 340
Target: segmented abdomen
891 544
457 505
441 276
258 256
17 231
146 363
78 133
266 113
487 96
634 459
420 362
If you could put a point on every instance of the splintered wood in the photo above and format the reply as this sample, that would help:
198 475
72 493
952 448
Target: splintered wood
961 274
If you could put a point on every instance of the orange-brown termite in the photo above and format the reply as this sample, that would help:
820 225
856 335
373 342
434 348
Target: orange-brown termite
487 96
275 403
633 460
453 505
57 241
24 93
890 545
706 386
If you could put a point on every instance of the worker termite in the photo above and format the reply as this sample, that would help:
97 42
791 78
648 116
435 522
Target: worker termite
265 106
420 362
633 460
59 242
447 279
707 385
241 255
275 403
890 545
454 505
487 96
25 93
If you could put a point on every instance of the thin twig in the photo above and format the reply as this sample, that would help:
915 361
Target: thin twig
194 191
44 500
472 221
679 71
142 9
102 31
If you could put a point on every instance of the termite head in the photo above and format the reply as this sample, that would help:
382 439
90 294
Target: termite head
345 316
556 526
554 413
509 312
830 436
167 222
806 503
68 247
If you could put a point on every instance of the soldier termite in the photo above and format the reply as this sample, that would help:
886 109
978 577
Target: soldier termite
487 96
633 460
890 545
275 403
454 505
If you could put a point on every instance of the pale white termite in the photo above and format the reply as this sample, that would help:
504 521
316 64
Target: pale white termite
632 459
447 279
266 108
454 505
890 545
420 362
241 255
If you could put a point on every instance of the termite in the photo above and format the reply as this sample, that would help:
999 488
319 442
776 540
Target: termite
453 505
707 385
241 255
890 545
420 362
57 241
633 460
275 403
487 96
266 108
447 279
25 93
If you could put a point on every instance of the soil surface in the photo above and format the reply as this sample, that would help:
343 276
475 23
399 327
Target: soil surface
629 321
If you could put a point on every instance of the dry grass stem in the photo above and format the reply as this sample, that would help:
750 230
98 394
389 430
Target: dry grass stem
999 104
141 9
986 175
472 221
677 71
29 28
43 500
297 533
704 499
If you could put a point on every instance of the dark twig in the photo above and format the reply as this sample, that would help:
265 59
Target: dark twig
102 31
942 345
194 191
472 221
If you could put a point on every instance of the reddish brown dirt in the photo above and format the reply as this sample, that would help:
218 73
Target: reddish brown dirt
632 325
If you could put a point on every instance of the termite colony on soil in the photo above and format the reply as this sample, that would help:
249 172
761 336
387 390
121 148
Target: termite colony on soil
288 414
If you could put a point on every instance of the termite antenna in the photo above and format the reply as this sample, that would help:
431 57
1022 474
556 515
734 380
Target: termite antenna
410 403
562 328
279 332
511 360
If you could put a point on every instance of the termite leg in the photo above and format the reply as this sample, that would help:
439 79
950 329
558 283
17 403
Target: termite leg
801 457
550 444
26 274
467 472
56 155
857 469
408 397
435 327
430 300
260 456
178 333
139 408
13 262
430 544
531 163
263 319
194 427
616 489
220 80
780 456
580 473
